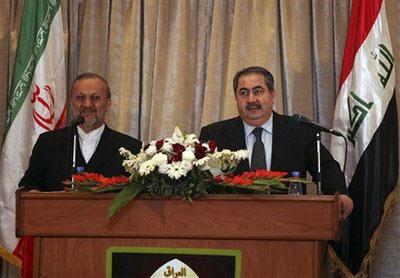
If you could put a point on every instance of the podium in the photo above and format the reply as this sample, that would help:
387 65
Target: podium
277 235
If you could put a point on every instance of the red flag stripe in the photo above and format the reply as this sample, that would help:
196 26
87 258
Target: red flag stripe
363 16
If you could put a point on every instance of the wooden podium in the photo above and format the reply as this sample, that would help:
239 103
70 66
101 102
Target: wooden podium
278 235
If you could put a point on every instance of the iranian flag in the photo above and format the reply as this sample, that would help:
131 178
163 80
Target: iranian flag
366 113
36 105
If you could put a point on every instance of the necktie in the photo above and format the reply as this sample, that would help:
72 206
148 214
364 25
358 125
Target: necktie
258 154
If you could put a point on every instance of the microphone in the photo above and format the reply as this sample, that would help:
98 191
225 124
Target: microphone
316 126
77 121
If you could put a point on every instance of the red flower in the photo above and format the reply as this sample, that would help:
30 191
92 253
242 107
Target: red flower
239 180
104 181
247 178
199 151
98 180
218 179
175 157
178 148
159 144
213 145
228 180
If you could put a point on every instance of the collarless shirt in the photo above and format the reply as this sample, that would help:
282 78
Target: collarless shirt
89 141
266 138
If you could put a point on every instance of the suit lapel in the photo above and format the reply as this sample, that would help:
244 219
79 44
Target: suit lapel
278 141
66 150
102 152
235 134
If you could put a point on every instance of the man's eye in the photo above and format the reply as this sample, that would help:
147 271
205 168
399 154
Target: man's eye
80 98
244 93
258 91
95 98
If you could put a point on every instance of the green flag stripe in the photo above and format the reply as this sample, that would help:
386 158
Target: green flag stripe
34 33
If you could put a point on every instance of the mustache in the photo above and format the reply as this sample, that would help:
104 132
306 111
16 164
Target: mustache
87 110
253 106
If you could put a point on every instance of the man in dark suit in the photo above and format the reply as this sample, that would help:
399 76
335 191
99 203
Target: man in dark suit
275 142
97 145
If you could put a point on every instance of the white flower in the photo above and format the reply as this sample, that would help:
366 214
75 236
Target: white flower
146 168
163 168
215 171
141 157
226 152
188 156
241 154
176 170
205 167
178 137
187 166
202 161
159 159
126 153
151 150
205 145
129 165
167 146
191 139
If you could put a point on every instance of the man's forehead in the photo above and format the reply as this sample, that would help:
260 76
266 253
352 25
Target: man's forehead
253 79
89 86
88 92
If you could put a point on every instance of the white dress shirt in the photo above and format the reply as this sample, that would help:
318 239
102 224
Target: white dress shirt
89 141
266 138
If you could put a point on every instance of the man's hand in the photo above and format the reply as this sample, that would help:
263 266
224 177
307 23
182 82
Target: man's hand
346 206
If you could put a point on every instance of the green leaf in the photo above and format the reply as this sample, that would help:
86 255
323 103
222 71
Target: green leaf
110 188
123 198
267 182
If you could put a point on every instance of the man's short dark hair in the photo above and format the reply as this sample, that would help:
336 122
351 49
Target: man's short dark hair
268 78
91 75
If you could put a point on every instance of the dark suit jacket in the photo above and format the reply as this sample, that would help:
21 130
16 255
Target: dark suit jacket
293 149
51 160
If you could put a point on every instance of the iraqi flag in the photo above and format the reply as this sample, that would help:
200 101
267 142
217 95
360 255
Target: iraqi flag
36 105
366 113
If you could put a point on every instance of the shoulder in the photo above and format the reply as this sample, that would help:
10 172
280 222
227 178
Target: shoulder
218 130
289 124
124 140
283 120
233 122
54 134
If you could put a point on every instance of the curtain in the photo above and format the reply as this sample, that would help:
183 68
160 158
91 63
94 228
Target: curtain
171 62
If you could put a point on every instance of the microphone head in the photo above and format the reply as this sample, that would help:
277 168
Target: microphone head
297 117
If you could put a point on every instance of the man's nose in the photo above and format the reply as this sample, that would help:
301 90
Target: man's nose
87 102
251 97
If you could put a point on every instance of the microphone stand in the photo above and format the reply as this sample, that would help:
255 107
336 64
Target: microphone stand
318 179
74 132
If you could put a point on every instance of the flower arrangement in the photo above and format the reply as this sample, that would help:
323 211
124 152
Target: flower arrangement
178 166
175 157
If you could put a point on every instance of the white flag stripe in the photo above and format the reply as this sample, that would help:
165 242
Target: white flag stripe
23 132
364 82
